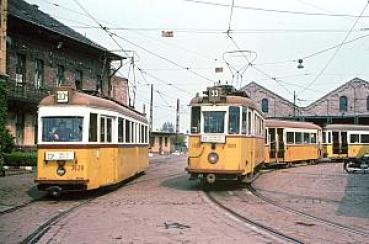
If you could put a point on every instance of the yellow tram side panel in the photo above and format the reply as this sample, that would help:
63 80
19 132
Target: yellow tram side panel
357 150
302 152
233 155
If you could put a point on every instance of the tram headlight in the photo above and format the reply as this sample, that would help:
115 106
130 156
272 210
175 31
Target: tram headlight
60 171
213 157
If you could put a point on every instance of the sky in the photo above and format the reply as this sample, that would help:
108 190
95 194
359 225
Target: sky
265 42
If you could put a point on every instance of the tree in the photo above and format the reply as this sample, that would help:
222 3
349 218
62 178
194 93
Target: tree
167 127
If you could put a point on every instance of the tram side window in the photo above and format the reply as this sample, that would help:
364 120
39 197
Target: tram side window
306 138
324 137
364 138
354 138
244 120
109 129
195 120
120 130
290 138
249 123
102 129
234 120
329 137
92 136
313 138
142 134
133 130
298 137
128 131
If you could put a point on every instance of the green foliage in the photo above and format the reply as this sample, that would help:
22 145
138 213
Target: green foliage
20 159
8 144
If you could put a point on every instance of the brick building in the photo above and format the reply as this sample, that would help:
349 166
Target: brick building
42 54
349 104
119 87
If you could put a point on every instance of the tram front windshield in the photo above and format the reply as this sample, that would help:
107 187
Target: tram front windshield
214 122
62 129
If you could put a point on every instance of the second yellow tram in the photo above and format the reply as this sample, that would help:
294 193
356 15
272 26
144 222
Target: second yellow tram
227 136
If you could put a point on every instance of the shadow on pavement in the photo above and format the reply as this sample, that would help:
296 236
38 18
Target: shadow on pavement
355 202
184 184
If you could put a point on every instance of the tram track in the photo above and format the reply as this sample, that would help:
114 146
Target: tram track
307 215
40 231
264 229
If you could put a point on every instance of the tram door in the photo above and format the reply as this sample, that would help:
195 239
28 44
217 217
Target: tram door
340 145
276 144
280 153
272 144
336 142
344 145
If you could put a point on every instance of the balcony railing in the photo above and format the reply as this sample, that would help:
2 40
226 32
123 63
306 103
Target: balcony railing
25 92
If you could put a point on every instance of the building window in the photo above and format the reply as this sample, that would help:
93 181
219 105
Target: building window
78 79
60 75
264 105
343 104
39 73
367 103
20 69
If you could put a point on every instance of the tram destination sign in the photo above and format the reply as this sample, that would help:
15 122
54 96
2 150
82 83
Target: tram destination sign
213 138
59 156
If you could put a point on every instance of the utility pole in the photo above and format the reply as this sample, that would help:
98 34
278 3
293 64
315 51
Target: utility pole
177 124
151 107
294 104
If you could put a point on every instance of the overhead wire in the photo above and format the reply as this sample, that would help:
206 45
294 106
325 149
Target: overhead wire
336 51
273 10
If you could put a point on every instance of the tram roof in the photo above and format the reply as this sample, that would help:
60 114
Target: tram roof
83 99
346 127
229 100
290 124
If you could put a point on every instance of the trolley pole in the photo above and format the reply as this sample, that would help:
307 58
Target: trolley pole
151 107
177 124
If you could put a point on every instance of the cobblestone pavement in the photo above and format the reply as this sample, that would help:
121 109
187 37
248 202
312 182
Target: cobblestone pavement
323 191
163 206
17 189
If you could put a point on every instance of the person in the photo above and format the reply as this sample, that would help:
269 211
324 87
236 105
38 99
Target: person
63 133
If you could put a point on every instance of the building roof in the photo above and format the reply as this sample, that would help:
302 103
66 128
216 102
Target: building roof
31 14
262 87
355 80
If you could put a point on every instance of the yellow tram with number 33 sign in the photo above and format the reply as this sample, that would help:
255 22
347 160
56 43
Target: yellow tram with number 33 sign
87 142
226 140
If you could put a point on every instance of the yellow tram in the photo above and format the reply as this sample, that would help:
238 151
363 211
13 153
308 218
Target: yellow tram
226 140
292 141
341 141
87 142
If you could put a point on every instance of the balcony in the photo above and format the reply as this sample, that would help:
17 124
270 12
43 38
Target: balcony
25 92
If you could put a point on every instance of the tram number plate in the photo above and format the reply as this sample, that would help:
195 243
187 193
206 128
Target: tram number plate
59 156
214 138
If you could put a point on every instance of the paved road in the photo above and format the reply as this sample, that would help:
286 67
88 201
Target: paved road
162 206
